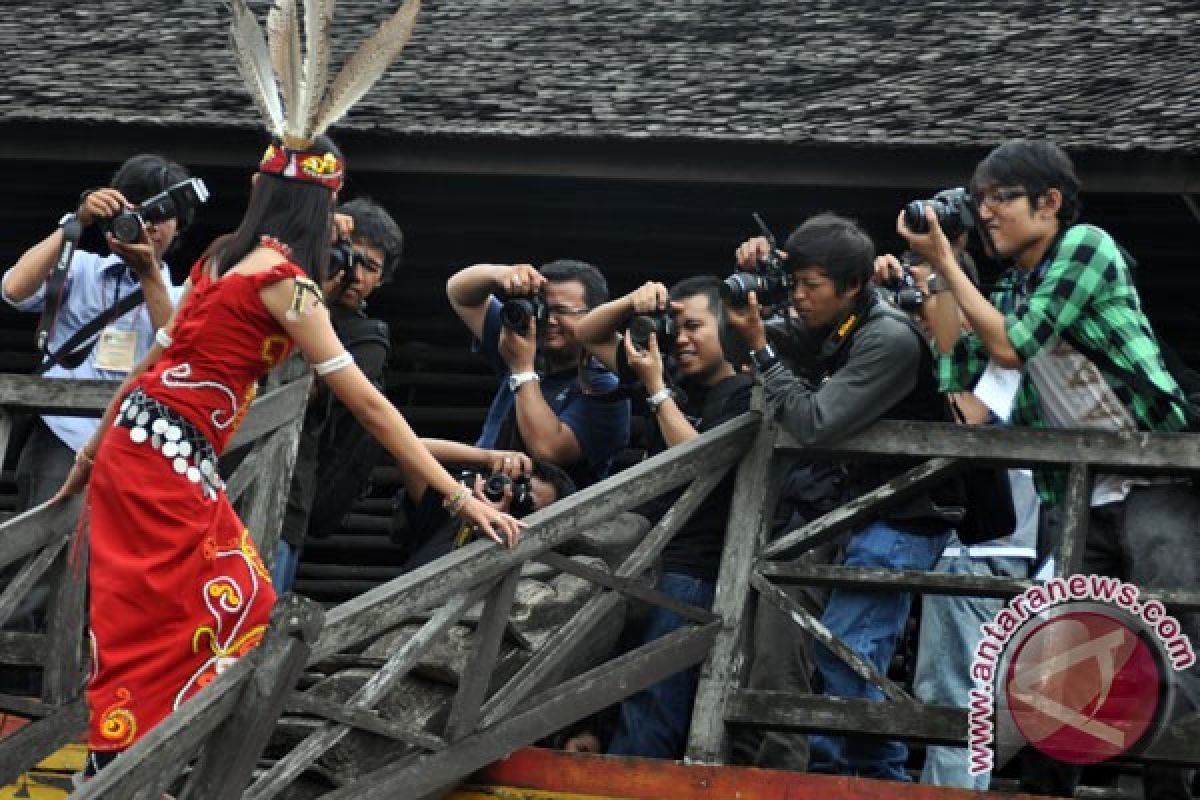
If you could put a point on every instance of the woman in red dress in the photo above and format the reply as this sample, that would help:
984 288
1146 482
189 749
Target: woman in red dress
177 588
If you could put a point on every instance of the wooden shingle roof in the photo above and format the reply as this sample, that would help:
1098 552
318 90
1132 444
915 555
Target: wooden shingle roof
1101 75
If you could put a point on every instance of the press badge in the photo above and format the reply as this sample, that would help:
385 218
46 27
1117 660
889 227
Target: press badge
115 349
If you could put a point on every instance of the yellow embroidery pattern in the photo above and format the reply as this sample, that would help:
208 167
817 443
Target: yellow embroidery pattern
321 166
251 554
118 724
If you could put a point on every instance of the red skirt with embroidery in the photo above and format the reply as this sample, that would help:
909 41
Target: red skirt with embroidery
177 589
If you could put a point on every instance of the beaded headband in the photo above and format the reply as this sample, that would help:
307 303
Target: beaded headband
323 169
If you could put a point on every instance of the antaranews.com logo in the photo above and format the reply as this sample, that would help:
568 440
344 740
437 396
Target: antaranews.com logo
1078 667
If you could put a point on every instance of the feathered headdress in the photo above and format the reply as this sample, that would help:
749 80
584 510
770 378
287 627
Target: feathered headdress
290 85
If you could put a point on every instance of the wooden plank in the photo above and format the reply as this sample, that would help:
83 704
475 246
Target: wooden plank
158 757
272 411
816 629
22 649
26 577
748 528
362 719
861 509
389 605
263 505
35 528
574 699
627 586
25 748
65 667
6 431
888 580
1163 452
485 648
25 706
232 751
1076 510
784 711
302 756
55 395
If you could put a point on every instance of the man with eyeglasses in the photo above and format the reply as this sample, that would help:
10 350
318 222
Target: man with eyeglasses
554 402
1067 315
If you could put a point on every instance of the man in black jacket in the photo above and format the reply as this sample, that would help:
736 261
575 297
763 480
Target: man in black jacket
860 361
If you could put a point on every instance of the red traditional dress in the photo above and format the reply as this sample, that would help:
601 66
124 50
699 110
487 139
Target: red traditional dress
177 589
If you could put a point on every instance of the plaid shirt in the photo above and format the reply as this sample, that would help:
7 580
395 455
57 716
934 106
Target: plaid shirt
1084 285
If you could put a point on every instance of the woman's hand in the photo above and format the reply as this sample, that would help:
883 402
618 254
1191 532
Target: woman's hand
77 478
496 525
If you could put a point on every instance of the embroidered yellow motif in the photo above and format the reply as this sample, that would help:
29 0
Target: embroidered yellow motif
273 348
117 723
320 166
239 647
251 554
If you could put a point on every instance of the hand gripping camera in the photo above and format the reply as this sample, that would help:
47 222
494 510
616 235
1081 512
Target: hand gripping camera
518 311
904 293
771 284
178 201
955 211
522 493
660 324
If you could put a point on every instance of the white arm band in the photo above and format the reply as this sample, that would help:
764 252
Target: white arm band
339 361
163 338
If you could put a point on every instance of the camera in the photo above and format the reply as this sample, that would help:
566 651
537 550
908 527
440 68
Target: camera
904 293
771 284
660 324
178 201
522 493
955 211
518 311
345 259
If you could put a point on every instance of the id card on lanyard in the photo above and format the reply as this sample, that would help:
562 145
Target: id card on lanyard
116 349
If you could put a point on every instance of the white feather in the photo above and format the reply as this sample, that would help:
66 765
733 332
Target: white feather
366 65
318 19
283 37
254 63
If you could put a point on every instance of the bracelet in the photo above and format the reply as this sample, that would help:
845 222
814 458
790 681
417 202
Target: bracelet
764 358
84 458
163 338
340 361
454 503
656 400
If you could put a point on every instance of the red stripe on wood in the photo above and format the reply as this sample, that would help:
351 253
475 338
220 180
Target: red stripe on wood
649 779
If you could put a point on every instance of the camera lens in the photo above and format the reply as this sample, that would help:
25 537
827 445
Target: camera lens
516 313
126 227
493 488
735 290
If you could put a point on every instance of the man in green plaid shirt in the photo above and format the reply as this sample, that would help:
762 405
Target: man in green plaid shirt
1068 317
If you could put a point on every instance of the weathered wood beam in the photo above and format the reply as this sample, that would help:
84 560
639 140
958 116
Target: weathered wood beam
784 711
22 649
20 751
25 706
546 713
1076 510
1170 452
271 411
56 396
888 580
35 528
389 605
808 623
65 667
26 577
362 719
861 509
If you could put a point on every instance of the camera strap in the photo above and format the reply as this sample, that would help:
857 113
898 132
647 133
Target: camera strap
56 281
71 355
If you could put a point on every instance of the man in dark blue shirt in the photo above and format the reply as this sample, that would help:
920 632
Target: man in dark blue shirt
570 418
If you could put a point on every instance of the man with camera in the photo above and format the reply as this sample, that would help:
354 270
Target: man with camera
336 454
1067 315
511 481
860 360
697 392
100 314
555 403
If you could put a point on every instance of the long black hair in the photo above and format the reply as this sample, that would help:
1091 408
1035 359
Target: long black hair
296 213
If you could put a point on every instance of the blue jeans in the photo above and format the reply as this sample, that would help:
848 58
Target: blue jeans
870 624
949 634
283 568
654 722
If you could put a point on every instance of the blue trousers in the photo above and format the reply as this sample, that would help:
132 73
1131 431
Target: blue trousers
870 623
654 722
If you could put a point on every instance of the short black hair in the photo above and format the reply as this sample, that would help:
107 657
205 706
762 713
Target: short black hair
707 285
556 477
145 175
835 243
374 227
1035 166
595 287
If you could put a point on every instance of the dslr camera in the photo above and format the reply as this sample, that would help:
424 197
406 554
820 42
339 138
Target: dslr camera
345 259
660 324
772 284
903 292
518 311
178 201
522 493
956 213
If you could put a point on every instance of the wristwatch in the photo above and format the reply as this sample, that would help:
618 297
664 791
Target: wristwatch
934 284
655 401
764 358
516 380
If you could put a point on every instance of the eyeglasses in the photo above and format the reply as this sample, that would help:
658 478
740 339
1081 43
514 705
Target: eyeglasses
564 311
993 198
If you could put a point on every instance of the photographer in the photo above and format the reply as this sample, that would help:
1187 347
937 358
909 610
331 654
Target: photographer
512 482
863 361
571 418
654 722
94 287
336 454
1067 315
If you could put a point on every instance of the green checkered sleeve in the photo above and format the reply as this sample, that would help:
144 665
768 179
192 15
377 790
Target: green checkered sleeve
960 369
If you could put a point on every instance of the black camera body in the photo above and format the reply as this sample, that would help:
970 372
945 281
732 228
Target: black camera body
955 210
179 201
772 284
518 311
522 493
660 324
345 259
904 292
